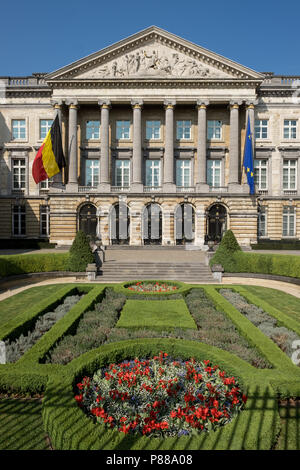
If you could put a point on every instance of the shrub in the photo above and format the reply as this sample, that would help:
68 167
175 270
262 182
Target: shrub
217 330
229 242
11 265
15 349
226 250
92 330
80 253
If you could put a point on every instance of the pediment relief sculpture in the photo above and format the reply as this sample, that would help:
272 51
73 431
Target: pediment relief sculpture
153 61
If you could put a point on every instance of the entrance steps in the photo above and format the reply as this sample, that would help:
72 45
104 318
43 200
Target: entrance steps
112 271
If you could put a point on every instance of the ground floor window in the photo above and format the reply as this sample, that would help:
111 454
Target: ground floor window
184 224
44 220
262 222
19 220
216 223
288 221
88 219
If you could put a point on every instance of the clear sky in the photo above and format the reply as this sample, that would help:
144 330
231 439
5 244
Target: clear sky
42 36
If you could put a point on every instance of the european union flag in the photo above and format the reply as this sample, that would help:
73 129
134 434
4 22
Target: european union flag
248 158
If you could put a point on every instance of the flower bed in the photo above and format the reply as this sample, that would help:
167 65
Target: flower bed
157 287
161 397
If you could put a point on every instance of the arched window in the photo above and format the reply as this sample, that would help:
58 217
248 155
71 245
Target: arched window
120 224
216 222
88 219
152 225
184 224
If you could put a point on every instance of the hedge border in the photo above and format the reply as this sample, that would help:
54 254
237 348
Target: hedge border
64 326
23 321
69 428
265 345
282 318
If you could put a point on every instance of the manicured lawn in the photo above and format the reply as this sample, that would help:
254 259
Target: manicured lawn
16 304
21 425
287 303
155 314
289 438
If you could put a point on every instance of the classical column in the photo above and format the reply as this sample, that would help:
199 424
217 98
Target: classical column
201 183
234 147
73 145
168 185
57 180
137 185
250 113
104 184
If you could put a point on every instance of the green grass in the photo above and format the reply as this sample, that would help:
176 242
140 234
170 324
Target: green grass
286 303
21 425
155 314
18 303
289 438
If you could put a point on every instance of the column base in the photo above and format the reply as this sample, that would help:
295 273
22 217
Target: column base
136 188
57 188
202 188
72 187
169 188
103 188
235 188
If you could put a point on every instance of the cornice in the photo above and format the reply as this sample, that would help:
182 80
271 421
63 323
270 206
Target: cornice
158 83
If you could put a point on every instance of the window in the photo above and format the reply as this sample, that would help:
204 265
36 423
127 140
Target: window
260 174
214 130
92 130
261 128
214 173
122 175
184 129
44 185
290 129
19 174
288 222
153 173
183 173
91 172
262 222
44 220
123 129
289 175
45 126
19 220
18 129
152 130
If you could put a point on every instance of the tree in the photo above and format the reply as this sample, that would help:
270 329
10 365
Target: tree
80 254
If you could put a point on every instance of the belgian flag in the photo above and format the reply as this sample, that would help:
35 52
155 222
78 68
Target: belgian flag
50 157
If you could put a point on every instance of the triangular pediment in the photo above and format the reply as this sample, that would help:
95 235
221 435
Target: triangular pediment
154 54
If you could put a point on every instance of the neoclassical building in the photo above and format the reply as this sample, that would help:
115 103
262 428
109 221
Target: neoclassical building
153 131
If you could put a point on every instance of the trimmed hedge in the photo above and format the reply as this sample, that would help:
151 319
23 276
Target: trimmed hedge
265 345
240 262
69 428
32 263
276 245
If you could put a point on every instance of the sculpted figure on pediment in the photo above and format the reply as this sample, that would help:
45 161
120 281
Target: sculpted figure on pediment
153 62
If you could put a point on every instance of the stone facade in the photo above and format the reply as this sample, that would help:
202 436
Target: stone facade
152 76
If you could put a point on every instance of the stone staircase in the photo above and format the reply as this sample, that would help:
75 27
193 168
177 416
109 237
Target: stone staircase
112 271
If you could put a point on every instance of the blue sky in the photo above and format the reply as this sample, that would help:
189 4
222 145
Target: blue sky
42 36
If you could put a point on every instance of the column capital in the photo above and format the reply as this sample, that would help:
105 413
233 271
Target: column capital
57 104
104 103
202 104
72 103
169 104
137 104
251 104
235 104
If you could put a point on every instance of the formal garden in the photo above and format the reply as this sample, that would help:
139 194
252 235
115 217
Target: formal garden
156 365
96 366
